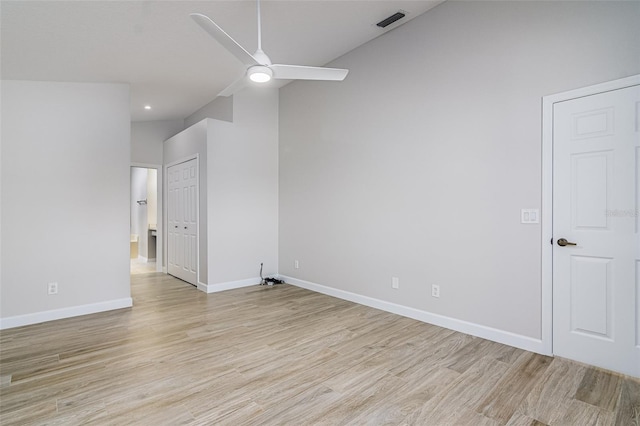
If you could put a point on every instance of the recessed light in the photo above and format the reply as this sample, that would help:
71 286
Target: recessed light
147 107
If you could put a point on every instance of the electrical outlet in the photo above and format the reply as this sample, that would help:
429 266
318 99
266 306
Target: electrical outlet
395 282
296 264
52 288
435 291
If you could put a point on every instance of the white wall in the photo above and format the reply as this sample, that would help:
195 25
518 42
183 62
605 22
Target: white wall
147 138
243 189
65 199
221 108
238 190
185 145
417 165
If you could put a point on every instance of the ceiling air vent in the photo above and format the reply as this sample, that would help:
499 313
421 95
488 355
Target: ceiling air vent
391 19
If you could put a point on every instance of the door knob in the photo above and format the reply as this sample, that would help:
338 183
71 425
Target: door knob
563 242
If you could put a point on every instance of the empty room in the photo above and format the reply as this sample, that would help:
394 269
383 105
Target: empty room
320 212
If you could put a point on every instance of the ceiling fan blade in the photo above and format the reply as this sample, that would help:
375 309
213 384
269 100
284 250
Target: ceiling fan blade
234 87
224 39
300 72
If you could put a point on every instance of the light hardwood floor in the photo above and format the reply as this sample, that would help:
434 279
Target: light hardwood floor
140 267
282 355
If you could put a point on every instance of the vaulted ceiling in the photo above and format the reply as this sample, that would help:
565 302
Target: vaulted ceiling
169 61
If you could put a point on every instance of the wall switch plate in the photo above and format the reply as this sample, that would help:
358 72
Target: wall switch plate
52 288
435 291
395 282
530 216
296 264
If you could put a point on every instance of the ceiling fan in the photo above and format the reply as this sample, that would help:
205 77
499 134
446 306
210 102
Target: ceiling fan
259 66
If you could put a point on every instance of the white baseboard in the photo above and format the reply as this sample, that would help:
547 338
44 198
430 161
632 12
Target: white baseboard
214 288
55 314
489 333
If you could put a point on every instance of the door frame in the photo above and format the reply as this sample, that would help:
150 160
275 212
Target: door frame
165 208
547 194
159 211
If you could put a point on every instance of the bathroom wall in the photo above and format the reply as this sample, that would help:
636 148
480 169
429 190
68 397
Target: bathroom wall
152 197
139 215
152 212
144 186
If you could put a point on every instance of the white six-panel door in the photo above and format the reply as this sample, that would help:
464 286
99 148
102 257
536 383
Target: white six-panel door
182 209
596 154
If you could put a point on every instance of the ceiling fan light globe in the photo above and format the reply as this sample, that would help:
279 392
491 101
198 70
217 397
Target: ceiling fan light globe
260 74
260 77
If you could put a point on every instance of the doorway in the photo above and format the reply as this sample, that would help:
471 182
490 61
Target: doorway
591 245
145 250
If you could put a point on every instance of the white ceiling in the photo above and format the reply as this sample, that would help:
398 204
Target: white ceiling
169 61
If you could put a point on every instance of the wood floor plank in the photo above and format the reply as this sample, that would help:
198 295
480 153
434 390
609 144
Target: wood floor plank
216 398
550 398
360 402
48 388
581 413
599 388
284 355
502 402
411 397
89 414
31 413
427 350
360 375
238 413
519 419
280 390
628 407
464 392
5 380
26 367
301 409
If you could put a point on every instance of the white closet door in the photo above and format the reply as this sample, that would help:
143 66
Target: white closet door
182 206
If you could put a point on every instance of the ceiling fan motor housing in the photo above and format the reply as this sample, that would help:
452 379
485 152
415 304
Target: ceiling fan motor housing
262 57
